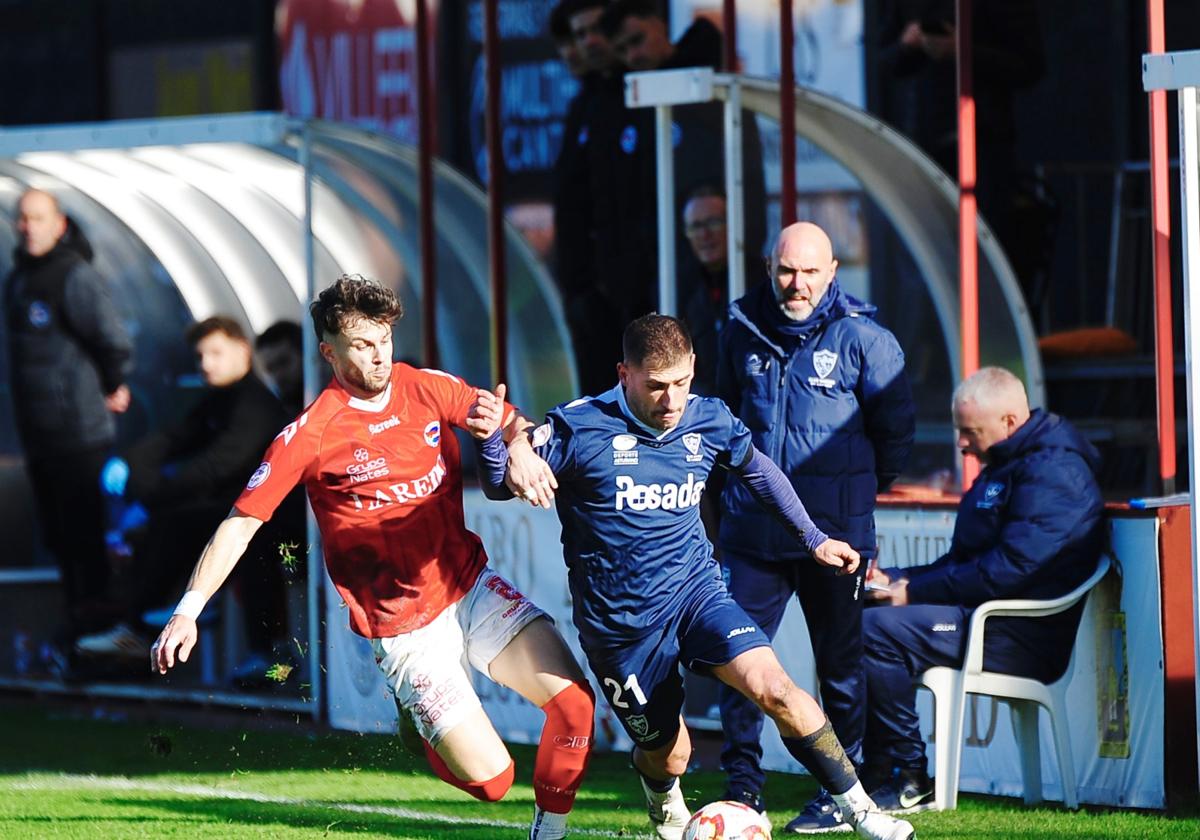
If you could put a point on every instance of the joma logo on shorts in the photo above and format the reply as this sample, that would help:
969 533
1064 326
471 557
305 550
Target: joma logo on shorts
658 496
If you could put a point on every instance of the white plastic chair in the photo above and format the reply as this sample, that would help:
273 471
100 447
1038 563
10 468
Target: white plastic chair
950 687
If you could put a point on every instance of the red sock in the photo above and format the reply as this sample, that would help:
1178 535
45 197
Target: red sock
564 749
492 790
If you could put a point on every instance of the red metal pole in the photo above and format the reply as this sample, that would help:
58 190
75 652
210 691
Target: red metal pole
787 115
1160 197
968 223
495 169
425 121
729 24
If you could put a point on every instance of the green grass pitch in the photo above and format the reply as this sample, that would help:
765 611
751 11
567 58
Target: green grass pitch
67 771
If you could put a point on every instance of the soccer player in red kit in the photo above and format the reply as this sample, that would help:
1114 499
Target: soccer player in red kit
384 480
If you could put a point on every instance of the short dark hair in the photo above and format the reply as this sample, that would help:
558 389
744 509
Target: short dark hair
656 341
217 323
351 297
704 189
281 332
614 15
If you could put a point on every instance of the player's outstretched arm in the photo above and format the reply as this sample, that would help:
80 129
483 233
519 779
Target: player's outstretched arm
222 553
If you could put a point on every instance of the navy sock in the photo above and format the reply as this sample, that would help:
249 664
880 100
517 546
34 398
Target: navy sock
822 755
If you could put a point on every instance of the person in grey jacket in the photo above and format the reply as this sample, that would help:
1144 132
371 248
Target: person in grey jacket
69 354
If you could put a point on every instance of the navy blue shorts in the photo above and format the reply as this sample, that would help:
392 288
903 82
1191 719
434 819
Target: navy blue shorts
640 677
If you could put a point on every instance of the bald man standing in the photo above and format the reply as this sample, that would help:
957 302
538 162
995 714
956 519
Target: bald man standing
822 388
1031 526
69 355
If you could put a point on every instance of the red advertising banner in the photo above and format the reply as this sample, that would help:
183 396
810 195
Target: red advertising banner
353 61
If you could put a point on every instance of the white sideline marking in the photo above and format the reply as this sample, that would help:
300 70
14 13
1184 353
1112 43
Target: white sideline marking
68 781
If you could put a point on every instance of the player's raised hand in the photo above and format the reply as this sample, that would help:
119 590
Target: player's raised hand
837 555
174 643
528 476
487 413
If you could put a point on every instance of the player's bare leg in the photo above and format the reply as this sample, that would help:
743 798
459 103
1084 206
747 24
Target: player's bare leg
809 738
659 771
539 666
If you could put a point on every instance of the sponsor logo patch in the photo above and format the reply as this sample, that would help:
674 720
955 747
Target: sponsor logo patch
624 451
260 475
433 433
383 425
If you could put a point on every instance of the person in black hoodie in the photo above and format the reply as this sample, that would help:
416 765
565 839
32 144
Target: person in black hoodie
178 484
70 354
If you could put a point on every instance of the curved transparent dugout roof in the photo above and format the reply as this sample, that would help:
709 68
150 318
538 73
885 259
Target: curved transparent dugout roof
191 229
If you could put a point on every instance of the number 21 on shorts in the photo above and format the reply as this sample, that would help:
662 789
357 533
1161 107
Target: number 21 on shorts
631 684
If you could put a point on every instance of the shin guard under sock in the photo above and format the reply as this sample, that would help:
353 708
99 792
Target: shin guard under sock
822 755
564 748
492 790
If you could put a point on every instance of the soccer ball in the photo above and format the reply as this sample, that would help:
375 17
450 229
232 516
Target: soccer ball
727 820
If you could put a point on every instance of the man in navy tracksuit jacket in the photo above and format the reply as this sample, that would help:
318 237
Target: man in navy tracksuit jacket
822 388
1030 527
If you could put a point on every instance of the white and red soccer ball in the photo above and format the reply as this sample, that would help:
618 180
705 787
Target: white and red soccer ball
727 820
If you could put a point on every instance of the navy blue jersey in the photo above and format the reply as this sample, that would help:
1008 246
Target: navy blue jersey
628 498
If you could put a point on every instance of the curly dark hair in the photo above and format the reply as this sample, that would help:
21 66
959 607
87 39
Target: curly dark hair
656 341
351 297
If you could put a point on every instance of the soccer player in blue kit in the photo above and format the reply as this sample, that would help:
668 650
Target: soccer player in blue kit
629 467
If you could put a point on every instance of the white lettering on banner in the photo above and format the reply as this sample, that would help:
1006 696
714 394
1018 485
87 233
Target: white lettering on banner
289 431
658 496
402 491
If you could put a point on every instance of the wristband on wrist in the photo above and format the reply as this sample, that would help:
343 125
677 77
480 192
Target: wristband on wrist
191 604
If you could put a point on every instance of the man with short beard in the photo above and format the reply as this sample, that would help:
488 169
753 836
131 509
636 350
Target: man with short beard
822 389
377 455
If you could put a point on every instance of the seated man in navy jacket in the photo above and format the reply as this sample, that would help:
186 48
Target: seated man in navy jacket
1030 527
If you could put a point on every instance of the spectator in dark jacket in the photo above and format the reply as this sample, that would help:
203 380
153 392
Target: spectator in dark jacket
704 280
823 390
1030 527
181 482
592 116
622 161
69 356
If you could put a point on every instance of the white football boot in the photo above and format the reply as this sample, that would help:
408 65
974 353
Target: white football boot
860 811
668 812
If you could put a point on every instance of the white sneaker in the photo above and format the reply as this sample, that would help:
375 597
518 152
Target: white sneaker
668 812
547 825
119 641
861 812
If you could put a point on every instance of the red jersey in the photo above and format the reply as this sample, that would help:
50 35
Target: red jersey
385 483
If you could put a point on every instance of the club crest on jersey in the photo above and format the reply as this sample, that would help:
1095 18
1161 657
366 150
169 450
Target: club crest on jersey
692 441
433 433
260 475
624 450
754 365
991 495
824 361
